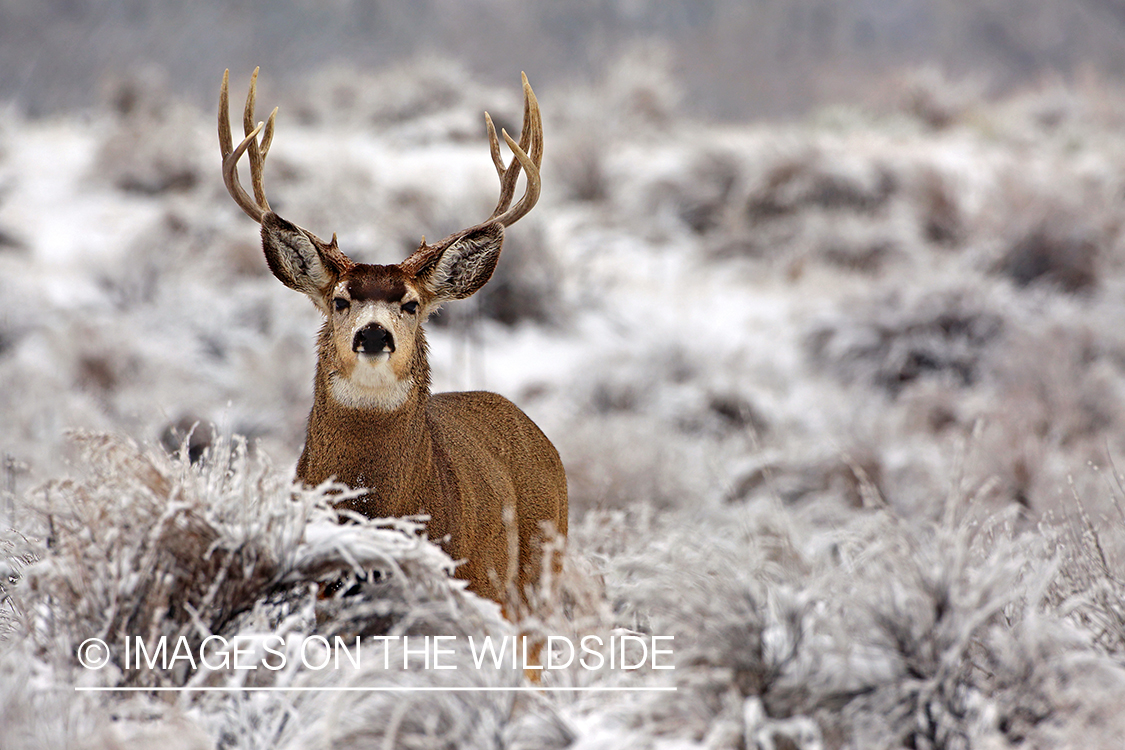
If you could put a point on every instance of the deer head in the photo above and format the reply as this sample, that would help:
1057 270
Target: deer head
374 313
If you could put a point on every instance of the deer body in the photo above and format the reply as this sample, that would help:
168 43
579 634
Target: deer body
459 458
488 478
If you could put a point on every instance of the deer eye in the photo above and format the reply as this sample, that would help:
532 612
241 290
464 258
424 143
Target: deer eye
341 304
410 307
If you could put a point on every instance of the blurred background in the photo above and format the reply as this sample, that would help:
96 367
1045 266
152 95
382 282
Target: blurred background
735 59
796 250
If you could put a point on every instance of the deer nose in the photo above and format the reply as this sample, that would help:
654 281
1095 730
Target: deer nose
373 339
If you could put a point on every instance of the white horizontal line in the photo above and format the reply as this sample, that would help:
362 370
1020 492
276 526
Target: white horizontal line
417 689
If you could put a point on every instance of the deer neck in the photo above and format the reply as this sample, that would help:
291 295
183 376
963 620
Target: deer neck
386 450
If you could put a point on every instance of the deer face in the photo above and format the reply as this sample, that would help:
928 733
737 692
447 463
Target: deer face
373 321
374 314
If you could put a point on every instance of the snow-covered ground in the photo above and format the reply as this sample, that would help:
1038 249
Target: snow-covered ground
838 402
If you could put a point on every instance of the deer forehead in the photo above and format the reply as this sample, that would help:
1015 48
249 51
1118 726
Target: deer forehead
371 283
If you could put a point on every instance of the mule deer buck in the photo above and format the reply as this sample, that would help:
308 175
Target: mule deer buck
476 464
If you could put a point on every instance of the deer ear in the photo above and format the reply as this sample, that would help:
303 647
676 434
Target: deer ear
463 265
299 259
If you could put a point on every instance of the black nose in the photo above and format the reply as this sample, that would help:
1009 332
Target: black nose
373 339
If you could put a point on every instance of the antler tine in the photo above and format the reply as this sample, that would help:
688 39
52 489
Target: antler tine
226 143
267 135
257 152
528 154
508 175
257 207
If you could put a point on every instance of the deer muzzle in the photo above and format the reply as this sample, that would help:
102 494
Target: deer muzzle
373 339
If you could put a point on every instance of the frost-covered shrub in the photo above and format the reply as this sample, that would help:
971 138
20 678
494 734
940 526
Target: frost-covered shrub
937 101
1090 586
1063 257
895 343
941 211
10 241
856 476
138 159
148 546
577 163
811 178
876 634
824 629
1052 227
423 100
149 149
700 195
803 201
640 89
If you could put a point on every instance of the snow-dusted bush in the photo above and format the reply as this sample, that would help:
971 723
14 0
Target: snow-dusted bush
147 148
826 628
427 99
150 546
875 634
944 335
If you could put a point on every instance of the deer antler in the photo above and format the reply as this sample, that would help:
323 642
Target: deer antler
257 207
528 154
